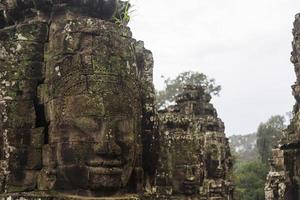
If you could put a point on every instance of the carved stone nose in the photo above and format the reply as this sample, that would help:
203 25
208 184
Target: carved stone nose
189 174
108 147
191 178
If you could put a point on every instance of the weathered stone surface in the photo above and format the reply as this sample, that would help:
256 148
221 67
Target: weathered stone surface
21 180
76 99
283 181
78 117
22 65
195 160
94 106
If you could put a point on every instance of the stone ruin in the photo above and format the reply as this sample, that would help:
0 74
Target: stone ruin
283 180
195 160
77 112
76 99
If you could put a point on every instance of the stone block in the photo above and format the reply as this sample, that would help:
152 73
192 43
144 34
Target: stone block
49 156
69 177
34 32
21 114
19 90
25 158
2 150
13 51
21 181
23 70
21 138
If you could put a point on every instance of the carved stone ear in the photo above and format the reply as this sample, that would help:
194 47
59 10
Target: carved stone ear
2 19
138 175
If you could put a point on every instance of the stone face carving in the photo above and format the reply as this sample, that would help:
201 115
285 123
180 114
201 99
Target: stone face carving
283 180
181 163
195 158
76 100
78 116
93 103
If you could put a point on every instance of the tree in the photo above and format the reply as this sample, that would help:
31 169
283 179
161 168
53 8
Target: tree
249 179
175 86
268 135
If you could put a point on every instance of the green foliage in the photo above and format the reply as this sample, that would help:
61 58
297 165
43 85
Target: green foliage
268 135
175 86
249 152
250 176
249 179
123 16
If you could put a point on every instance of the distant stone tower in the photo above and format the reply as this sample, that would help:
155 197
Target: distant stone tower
195 160
283 180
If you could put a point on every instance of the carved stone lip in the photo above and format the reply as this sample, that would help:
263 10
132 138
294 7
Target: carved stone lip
190 188
190 184
106 163
105 166
106 170
219 172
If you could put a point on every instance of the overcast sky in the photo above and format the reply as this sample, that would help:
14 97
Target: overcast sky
244 44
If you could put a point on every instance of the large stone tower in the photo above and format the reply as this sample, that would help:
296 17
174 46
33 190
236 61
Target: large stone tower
76 100
283 181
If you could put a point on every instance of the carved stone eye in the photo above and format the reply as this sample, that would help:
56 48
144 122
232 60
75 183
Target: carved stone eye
88 124
125 131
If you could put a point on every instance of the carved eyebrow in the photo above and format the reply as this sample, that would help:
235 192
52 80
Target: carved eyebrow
187 165
115 117
73 123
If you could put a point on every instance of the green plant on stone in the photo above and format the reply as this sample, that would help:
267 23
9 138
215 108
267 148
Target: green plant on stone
124 14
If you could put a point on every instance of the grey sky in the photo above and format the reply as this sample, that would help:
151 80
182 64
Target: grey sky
244 44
